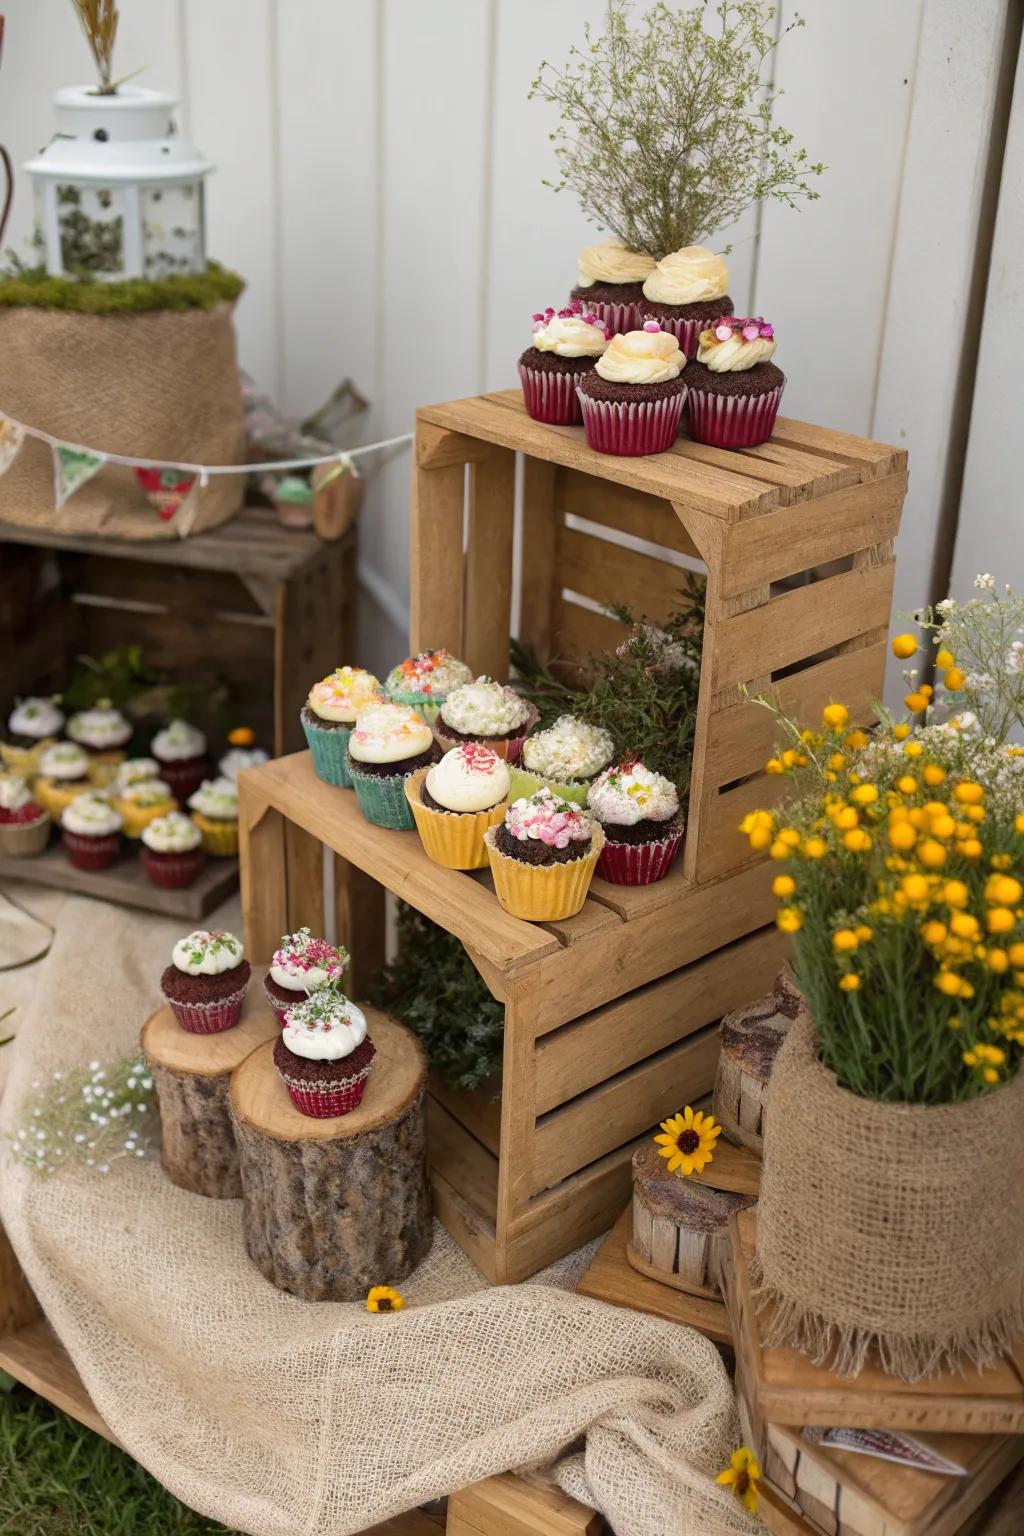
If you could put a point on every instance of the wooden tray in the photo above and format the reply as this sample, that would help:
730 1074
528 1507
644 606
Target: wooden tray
127 883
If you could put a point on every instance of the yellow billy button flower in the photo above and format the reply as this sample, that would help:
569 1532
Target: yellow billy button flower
998 961
944 660
836 762
915 887
969 848
844 940
856 741
933 932
742 1475
916 702
912 749
948 983
381 1298
850 982
943 826
902 836
1000 861
931 854
1000 920
975 813
1003 890
864 794
857 840
814 848
955 893
783 886
901 731
907 784
1016 953
773 765
932 775
1018 823
969 793
965 925
954 679
904 646
788 919
688 1141
835 715
847 816
779 849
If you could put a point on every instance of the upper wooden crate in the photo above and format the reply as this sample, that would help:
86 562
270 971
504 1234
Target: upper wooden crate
795 538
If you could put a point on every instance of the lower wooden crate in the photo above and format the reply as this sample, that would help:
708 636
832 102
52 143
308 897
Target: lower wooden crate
509 1506
127 883
1001 1514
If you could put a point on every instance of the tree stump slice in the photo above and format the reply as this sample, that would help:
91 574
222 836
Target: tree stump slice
680 1228
192 1076
333 1207
751 1038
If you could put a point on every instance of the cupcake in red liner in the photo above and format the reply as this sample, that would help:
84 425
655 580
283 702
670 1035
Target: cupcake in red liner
180 750
565 346
324 1054
611 279
489 713
301 966
643 828
90 830
686 292
24 824
734 387
172 851
206 981
633 400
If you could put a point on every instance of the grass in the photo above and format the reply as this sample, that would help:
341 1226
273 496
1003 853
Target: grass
34 288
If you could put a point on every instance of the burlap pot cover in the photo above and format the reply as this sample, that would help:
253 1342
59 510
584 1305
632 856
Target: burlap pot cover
161 385
896 1228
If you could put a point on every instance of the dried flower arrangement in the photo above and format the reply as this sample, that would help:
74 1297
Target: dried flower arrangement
99 19
93 1116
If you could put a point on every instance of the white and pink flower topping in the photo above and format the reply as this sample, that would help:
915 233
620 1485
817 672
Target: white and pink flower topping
304 963
733 343
547 819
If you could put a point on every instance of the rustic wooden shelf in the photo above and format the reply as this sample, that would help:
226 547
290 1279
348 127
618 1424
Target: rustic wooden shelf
127 883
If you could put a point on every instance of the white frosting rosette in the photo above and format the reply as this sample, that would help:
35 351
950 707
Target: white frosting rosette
89 816
305 964
324 1027
178 742
173 833
484 708
389 733
36 718
14 792
630 793
693 275
238 759
207 952
649 356
469 778
99 729
145 793
734 345
570 335
216 798
64 761
609 261
136 770
570 749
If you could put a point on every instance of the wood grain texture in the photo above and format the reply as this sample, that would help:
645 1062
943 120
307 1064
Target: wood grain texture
488 569
436 576
536 590
510 1506
126 883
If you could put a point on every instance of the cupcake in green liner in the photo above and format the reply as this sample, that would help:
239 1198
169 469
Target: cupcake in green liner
330 712
565 758
424 681
387 744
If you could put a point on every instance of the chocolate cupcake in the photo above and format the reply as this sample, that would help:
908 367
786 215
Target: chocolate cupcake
633 400
104 733
24 824
301 966
388 743
456 801
611 279
180 750
685 292
639 812
33 725
324 1054
565 758
206 981
486 712
542 857
566 344
734 388
90 830
331 710
172 850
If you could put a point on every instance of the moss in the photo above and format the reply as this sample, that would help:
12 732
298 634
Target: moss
33 287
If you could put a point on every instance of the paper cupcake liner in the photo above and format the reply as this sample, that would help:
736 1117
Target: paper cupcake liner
550 397
25 760
732 421
508 747
383 801
137 818
274 1005
638 863
451 839
330 753
327 1102
428 709
209 1018
173 871
24 839
91 853
184 778
629 428
103 767
220 838
543 893
523 784
686 332
617 318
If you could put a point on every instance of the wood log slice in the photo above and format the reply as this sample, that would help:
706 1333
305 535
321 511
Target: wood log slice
333 1207
192 1075
751 1038
680 1227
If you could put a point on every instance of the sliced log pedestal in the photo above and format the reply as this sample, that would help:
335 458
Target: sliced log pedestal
750 1040
680 1227
192 1074
333 1207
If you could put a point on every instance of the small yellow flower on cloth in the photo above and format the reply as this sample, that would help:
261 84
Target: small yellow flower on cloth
381 1298
742 1475
688 1141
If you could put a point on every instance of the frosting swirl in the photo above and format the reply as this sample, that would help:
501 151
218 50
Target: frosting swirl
303 963
650 356
569 332
469 778
547 819
326 1026
65 760
612 262
89 816
733 344
217 798
629 793
428 675
207 952
343 694
569 749
99 728
146 793
37 718
689 276
177 742
389 733
238 759
484 708
135 770
173 833
14 792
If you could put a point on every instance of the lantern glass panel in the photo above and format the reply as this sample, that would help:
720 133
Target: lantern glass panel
172 228
90 223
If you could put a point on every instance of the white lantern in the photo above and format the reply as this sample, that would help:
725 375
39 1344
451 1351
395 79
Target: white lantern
119 192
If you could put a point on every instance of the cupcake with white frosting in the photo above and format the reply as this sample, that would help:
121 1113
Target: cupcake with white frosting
63 775
241 753
487 712
90 830
104 733
142 802
388 743
24 824
566 344
610 283
456 801
685 292
633 400
172 850
425 680
735 388
331 710
324 1054
565 758
302 965
33 725
543 856
643 829
180 749
136 770
214 808
206 981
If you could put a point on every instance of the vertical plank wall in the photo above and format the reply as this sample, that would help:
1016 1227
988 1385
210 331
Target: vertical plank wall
379 184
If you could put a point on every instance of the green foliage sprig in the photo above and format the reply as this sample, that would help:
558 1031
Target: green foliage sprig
22 286
666 132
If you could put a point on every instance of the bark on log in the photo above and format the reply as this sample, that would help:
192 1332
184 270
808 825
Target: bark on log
680 1228
333 1207
751 1038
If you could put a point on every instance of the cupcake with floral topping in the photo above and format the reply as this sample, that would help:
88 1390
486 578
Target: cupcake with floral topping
63 774
734 386
214 808
424 681
172 851
206 981
388 743
32 726
566 344
90 830
543 856
633 400
332 709
643 830
456 801
488 712
241 753
564 758
685 292
24 824
302 965
180 749
324 1054
104 733
142 802
610 284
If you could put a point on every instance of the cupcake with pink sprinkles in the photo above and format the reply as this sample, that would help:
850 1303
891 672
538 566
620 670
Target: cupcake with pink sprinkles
301 966
734 386
566 345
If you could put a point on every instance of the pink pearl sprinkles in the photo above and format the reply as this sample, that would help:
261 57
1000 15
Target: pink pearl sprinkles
750 327
572 311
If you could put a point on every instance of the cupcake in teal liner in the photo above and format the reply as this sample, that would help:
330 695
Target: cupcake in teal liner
388 743
424 681
643 828
565 758
330 712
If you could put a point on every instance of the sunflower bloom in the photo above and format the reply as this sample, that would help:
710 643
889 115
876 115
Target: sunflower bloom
742 1475
381 1298
688 1141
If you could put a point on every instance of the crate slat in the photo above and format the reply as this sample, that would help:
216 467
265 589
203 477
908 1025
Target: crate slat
606 572
460 1158
616 506
436 574
488 594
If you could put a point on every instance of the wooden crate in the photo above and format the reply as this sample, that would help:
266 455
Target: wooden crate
126 882
509 1506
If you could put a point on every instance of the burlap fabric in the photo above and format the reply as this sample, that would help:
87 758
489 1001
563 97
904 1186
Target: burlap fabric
282 1417
160 385
889 1228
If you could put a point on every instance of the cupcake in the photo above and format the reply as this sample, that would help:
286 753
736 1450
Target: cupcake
542 857
206 981
734 387
32 726
90 830
330 712
643 830
241 753
172 850
24 825
611 279
102 732
301 966
180 749
632 401
324 1054
487 712
63 774
214 808
135 770
565 345
142 802
685 292
456 801
387 744
425 681
564 758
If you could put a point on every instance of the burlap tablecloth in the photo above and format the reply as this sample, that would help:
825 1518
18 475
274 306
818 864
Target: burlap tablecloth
286 1418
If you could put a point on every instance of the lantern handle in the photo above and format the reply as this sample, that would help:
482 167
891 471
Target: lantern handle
9 194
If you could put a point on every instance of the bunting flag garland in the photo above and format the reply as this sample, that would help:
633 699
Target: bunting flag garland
73 468
166 489
12 435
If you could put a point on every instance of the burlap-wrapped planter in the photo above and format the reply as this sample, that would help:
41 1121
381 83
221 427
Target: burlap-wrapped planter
895 1230
161 384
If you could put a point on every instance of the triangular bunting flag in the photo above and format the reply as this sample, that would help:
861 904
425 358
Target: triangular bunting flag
167 489
72 468
12 435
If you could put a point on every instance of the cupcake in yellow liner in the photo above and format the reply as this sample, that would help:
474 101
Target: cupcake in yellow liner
487 712
214 808
456 801
566 758
63 775
104 733
32 726
543 857
142 802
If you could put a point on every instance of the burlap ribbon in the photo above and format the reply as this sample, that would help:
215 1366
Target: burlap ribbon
894 1231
